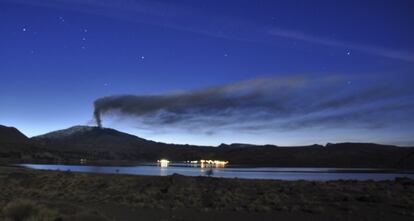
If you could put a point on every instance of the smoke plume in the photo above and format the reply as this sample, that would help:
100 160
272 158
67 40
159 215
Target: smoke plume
266 103
97 116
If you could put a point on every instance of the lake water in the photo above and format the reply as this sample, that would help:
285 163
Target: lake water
273 173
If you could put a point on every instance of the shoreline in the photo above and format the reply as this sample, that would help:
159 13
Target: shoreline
126 163
236 168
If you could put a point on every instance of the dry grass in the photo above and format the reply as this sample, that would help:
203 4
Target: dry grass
30 210
26 210
205 194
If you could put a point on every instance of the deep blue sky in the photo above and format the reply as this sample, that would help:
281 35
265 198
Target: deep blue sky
58 56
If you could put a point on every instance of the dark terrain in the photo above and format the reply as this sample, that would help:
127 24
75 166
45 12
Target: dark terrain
52 195
78 196
104 144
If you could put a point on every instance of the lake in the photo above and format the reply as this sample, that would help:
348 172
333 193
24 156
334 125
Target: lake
273 173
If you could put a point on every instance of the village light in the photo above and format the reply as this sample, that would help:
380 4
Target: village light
212 163
163 162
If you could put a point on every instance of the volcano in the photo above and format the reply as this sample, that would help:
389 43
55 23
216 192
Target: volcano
89 138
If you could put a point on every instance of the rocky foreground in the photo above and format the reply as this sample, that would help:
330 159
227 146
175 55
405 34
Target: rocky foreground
53 195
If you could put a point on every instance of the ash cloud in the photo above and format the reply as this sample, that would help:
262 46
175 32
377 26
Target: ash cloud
268 104
215 101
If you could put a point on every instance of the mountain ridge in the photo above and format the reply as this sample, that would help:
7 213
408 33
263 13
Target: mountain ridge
96 144
61 134
11 135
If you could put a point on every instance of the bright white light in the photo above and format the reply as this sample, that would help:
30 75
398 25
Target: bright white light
163 162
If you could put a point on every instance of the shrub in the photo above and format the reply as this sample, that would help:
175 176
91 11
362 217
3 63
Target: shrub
25 210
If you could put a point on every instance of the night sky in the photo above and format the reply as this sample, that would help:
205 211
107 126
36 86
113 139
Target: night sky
211 72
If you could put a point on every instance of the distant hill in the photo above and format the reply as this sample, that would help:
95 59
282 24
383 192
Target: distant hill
11 135
15 145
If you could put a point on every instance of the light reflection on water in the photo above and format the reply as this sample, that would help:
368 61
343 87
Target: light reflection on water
275 173
163 171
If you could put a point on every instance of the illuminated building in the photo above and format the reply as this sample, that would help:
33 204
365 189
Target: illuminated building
163 163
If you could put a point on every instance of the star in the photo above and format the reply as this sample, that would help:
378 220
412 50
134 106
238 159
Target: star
348 52
24 29
61 19
142 57
85 30
226 55
83 39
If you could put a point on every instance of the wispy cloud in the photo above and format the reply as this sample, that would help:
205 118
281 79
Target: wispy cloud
373 50
174 16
